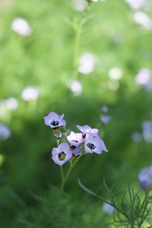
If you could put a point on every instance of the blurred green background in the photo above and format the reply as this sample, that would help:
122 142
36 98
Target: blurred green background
45 60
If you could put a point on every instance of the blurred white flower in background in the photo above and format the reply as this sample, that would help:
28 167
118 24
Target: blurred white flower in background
76 87
143 19
144 79
107 209
5 132
135 4
136 137
86 63
11 103
21 26
115 73
79 5
147 131
30 93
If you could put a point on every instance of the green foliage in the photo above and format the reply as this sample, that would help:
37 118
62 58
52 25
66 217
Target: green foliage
131 209
57 210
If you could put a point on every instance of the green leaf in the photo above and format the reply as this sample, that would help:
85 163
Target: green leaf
86 189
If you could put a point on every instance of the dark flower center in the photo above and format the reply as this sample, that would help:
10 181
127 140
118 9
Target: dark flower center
73 147
76 141
55 123
83 136
61 156
91 146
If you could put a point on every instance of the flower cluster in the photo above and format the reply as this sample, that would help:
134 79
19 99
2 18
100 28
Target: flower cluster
88 141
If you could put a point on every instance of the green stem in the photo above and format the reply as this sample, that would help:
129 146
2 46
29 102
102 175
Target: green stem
64 178
78 31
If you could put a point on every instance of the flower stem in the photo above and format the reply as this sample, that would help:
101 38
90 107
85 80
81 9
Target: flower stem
78 31
65 177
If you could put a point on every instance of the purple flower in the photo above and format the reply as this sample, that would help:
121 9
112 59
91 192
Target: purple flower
77 151
87 130
145 177
75 139
105 119
61 154
5 132
93 143
53 120
104 109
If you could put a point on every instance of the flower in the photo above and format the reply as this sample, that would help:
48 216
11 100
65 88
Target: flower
143 77
21 26
80 5
115 73
54 120
145 177
143 19
93 143
30 93
104 109
75 139
76 87
135 4
11 103
5 132
147 131
77 152
105 119
107 208
136 137
61 154
87 129
86 65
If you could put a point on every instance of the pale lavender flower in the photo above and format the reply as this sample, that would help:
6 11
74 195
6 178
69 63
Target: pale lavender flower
30 93
104 109
61 154
86 65
135 4
93 143
107 208
54 120
143 77
21 26
5 132
136 137
145 177
105 119
143 19
87 130
147 131
75 139
77 151
57 134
